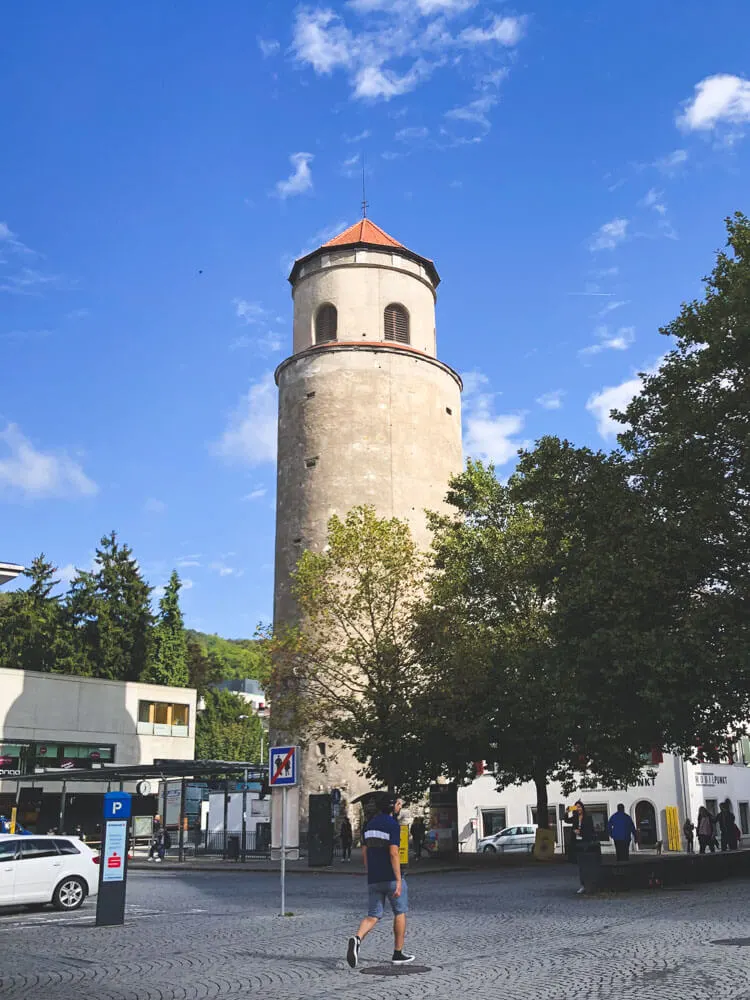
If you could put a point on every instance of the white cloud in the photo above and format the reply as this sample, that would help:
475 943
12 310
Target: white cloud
365 134
256 494
616 397
551 400
154 506
67 573
264 344
617 341
411 133
671 163
722 99
28 281
186 583
654 200
350 167
397 44
475 112
373 82
322 40
188 561
9 241
300 180
487 435
250 435
610 235
222 569
37 474
611 306
251 312
504 30
268 47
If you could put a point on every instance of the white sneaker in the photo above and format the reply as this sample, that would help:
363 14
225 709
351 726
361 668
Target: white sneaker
580 891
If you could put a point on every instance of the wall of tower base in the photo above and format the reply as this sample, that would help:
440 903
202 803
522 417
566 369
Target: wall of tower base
366 425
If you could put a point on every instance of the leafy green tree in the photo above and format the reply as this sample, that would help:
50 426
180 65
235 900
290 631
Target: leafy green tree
234 658
687 435
505 684
32 632
168 664
203 670
227 729
349 671
109 610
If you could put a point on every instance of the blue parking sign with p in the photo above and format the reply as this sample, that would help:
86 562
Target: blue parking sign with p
117 805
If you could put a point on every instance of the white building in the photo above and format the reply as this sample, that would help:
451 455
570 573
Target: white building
671 781
9 571
60 721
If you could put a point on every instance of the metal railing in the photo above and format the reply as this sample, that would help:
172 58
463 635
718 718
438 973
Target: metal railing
228 843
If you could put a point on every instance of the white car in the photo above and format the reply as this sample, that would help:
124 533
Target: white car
51 869
512 838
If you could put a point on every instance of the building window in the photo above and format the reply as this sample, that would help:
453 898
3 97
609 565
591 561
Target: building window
396 323
43 754
326 324
744 818
13 759
493 821
599 814
163 718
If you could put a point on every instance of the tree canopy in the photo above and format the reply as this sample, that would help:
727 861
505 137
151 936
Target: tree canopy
348 671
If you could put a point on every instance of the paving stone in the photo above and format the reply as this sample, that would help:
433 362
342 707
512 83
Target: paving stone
512 933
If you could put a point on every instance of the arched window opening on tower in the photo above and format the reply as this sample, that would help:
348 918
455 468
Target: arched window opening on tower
326 324
396 323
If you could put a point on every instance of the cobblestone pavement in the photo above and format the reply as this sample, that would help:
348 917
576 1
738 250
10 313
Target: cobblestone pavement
508 934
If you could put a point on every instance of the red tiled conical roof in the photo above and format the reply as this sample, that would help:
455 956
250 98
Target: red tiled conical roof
363 231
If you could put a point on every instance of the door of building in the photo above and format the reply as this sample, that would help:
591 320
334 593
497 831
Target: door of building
645 822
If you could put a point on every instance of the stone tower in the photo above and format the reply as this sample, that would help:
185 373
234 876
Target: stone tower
367 415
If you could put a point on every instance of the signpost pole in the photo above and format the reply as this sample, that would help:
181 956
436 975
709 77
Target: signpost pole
283 850
244 818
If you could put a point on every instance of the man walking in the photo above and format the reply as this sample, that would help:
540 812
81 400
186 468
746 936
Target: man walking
380 853
622 829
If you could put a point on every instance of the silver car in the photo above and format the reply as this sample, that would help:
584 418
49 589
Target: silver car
512 838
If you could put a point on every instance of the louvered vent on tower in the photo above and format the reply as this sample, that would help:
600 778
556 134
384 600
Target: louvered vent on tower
326 323
397 324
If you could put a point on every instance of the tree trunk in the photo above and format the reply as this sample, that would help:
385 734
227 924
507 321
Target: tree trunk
542 811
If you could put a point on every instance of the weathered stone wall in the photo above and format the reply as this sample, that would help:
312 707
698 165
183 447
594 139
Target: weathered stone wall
360 284
373 424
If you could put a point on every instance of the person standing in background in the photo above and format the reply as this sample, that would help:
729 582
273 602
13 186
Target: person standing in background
346 839
688 828
705 830
622 830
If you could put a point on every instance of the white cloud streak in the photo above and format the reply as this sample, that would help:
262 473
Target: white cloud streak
487 435
551 400
36 474
616 397
250 435
300 180
620 340
610 235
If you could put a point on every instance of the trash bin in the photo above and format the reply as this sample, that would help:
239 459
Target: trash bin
589 857
233 849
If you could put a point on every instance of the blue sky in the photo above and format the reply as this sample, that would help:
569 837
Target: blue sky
568 167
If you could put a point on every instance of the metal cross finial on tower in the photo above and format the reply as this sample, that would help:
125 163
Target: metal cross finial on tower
365 206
